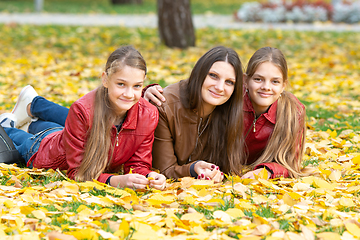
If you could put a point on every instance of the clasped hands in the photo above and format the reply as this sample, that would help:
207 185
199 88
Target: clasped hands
138 181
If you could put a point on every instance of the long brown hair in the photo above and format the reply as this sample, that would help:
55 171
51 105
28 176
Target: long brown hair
226 121
98 144
286 144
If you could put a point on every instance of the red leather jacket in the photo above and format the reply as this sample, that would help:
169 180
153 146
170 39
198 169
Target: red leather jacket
257 135
133 144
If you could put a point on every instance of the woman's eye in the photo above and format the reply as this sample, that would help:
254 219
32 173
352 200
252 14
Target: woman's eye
229 82
121 84
212 75
257 79
138 86
276 81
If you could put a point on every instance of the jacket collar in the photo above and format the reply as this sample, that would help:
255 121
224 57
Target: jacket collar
132 117
269 115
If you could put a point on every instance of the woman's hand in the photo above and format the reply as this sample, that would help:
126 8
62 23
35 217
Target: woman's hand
130 181
154 93
158 181
208 171
252 174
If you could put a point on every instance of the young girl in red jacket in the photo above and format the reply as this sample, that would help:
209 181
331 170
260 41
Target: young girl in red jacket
274 119
109 128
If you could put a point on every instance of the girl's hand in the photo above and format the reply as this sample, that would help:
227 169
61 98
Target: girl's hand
251 174
208 171
158 181
154 93
130 181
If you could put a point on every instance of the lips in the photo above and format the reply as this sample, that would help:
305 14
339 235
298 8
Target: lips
126 100
265 95
214 94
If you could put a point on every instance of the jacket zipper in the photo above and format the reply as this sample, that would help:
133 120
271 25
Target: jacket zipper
117 137
253 124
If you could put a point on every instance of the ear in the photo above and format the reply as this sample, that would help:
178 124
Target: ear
284 86
104 79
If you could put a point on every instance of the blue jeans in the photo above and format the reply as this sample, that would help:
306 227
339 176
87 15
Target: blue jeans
51 119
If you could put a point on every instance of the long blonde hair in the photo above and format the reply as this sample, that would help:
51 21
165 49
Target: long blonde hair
98 144
286 144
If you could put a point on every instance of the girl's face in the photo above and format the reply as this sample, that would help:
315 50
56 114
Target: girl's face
124 88
265 86
218 86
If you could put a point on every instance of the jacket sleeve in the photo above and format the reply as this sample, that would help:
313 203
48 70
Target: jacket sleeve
76 127
275 169
164 157
141 161
146 88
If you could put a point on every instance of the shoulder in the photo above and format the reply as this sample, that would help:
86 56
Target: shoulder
146 107
172 94
86 101
84 105
147 112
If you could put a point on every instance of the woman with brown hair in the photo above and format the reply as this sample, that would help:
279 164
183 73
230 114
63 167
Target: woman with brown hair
200 124
108 129
273 125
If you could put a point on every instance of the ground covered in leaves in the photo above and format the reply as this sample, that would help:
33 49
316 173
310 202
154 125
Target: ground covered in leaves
63 63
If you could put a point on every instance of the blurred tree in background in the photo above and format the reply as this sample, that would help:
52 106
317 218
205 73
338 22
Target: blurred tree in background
175 24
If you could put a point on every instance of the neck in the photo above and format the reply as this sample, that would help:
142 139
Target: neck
207 109
120 117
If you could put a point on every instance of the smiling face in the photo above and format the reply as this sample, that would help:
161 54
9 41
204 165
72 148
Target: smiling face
124 88
218 86
265 86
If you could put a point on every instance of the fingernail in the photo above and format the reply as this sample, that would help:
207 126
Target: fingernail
202 175
207 178
198 177
222 173
217 168
212 166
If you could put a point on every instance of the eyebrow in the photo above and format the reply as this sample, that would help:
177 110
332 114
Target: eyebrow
218 74
120 79
259 75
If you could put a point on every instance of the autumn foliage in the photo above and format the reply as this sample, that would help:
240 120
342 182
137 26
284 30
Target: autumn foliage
64 63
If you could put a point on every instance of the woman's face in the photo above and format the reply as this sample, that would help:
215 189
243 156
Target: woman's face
124 88
218 86
265 86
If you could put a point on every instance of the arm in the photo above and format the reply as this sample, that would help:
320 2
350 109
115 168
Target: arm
276 170
141 161
76 128
164 157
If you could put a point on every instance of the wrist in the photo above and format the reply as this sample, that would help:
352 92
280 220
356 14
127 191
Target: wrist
193 173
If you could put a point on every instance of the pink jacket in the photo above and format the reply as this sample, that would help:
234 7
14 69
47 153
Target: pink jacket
258 134
64 149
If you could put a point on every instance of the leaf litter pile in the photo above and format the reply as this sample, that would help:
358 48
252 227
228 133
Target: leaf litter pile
64 63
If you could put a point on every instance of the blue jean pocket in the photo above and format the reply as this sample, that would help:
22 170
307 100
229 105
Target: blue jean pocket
37 138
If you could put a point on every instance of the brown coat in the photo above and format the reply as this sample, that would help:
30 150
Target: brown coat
179 134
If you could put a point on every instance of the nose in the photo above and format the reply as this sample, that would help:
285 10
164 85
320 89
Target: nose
219 86
128 93
266 85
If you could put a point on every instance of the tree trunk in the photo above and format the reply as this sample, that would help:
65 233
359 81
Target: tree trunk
126 1
175 23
